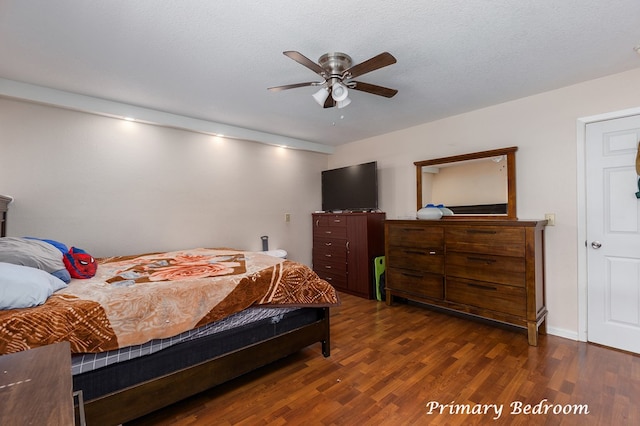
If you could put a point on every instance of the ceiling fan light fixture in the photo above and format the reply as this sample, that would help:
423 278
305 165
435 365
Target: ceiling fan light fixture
337 71
343 103
339 92
321 95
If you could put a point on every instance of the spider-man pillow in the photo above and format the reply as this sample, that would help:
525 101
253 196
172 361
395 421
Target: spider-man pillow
79 263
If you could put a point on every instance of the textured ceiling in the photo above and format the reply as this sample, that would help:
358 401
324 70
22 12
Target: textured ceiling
214 60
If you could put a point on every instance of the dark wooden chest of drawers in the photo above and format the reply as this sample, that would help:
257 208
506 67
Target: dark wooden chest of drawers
4 206
344 246
491 269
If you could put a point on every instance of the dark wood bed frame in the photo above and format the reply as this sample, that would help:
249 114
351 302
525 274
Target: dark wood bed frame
135 401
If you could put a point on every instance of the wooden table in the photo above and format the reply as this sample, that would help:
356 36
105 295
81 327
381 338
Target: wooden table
36 387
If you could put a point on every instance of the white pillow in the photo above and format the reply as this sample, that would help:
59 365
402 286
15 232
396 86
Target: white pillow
24 287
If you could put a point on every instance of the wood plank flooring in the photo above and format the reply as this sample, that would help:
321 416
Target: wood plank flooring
407 365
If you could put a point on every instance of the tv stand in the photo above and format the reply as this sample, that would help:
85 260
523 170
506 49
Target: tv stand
344 247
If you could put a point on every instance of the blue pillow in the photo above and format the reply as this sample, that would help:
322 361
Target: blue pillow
60 246
25 287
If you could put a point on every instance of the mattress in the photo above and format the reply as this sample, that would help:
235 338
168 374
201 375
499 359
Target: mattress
83 363
126 373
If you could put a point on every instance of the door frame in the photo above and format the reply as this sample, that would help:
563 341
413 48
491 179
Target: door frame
581 222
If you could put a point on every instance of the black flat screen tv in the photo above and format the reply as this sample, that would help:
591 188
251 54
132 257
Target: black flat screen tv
353 188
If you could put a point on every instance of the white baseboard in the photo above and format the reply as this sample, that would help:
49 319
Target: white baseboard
560 332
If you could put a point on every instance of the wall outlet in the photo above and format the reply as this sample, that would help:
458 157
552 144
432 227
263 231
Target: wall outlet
551 219
287 217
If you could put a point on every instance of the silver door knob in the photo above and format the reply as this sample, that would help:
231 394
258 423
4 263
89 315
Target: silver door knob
596 244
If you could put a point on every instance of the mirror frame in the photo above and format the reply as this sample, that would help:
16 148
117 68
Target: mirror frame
510 153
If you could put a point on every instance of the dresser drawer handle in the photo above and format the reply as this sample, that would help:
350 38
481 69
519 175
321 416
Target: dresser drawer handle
327 244
327 278
327 267
484 287
337 220
406 274
480 231
327 232
327 255
480 259
422 253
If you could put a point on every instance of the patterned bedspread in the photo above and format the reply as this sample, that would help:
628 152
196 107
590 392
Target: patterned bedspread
134 299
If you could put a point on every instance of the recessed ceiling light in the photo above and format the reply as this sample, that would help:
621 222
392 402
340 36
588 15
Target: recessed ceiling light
129 118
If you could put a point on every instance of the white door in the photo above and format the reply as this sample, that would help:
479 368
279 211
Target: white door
613 233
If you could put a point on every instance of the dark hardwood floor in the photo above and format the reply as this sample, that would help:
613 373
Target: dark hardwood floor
406 365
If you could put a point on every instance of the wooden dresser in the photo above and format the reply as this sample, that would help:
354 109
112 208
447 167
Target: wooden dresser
344 246
4 206
489 268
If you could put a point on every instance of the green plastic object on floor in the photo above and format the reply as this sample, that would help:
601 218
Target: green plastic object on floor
378 267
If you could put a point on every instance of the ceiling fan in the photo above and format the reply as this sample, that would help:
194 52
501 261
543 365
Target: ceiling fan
338 73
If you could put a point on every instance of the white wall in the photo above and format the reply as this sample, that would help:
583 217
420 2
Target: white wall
544 129
115 187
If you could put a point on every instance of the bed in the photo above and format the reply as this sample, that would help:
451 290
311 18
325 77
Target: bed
149 330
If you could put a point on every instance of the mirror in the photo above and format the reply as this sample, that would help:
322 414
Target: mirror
479 184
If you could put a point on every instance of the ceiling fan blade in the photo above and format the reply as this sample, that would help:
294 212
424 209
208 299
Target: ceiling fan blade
377 62
303 60
373 89
293 86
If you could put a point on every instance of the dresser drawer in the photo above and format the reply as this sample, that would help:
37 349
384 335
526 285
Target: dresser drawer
428 260
329 265
331 221
331 243
486 267
496 297
420 284
335 278
500 240
330 231
415 235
